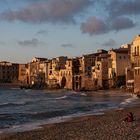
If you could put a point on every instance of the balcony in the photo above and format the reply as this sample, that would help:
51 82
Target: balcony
135 54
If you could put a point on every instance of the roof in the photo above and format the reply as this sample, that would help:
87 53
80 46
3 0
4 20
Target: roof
120 50
41 58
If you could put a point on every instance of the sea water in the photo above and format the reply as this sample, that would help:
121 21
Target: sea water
22 110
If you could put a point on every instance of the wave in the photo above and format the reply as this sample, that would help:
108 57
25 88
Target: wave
6 104
44 115
129 100
62 97
83 94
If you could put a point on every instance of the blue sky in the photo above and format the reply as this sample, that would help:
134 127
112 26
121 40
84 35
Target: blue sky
51 28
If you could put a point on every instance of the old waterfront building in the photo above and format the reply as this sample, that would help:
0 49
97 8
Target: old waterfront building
100 71
38 71
56 66
79 71
119 61
23 76
8 72
135 61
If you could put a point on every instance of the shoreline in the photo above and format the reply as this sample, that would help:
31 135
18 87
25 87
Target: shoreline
90 127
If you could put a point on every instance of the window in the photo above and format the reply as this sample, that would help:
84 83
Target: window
98 66
135 72
138 63
50 73
137 50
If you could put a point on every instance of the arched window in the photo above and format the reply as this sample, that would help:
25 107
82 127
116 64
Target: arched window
137 50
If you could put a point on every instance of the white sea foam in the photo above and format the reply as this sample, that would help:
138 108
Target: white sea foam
83 94
21 128
2 104
12 103
129 100
62 97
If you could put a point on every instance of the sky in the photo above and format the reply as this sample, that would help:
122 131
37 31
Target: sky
52 28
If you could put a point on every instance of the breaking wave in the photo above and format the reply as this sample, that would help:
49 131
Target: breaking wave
129 100
6 104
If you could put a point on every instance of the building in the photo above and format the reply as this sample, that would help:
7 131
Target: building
79 71
100 72
91 63
38 71
135 61
56 66
8 72
118 62
23 76
66 75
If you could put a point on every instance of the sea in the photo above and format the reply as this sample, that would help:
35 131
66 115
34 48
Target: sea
26 109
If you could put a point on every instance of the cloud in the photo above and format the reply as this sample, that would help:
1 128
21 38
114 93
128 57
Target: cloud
42 32
48 11
122 23
121 7
32 13
32 43
69 45
94 26
110 43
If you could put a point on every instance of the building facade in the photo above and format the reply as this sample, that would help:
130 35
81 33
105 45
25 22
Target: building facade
23 76
119 61
56 67
8 72
38 71
100 72
135 61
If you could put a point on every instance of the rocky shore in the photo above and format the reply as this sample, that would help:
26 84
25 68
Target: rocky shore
109 126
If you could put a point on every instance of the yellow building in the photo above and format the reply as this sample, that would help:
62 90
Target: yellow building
38 71
119 61
135 60
55 68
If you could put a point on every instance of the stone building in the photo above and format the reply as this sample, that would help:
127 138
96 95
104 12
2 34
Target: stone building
8 72
135 61
55 67
67 75
79 71
23 76
119 61
38 71
90 63
76 67
85 71
100 72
